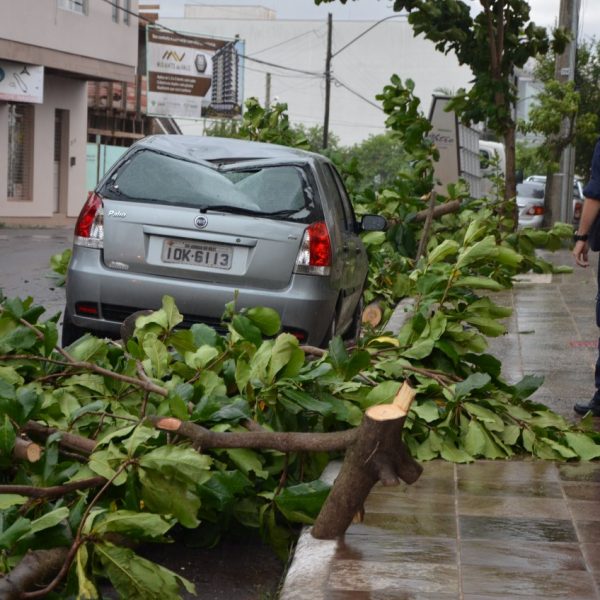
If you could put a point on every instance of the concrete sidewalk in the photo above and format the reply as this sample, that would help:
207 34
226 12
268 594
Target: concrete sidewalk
492 529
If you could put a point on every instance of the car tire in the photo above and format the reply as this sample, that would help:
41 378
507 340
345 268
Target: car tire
70 332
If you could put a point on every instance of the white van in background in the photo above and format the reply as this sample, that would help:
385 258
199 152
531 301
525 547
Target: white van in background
492 163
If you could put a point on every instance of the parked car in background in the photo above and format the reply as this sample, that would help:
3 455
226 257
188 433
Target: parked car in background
577 199
206 220
530 204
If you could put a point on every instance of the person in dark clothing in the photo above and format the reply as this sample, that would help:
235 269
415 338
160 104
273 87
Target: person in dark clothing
591 209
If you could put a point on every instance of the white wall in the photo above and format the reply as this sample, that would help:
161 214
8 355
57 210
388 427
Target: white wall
365 66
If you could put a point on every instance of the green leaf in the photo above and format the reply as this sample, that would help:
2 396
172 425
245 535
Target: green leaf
266 319
488 327
8 437
421 349
475 439
453 454
201 357
88 349
529 384
8 500
169 497
428 411
447 248
478 283
247 461
382 393
283 350
49 520
485 249
307 402
87 589
174 317
471 383
136 578
246 328
301 503
135 524
14 533
583 445
490 418
178 462
158 356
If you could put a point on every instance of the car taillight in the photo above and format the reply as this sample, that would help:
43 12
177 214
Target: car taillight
314 257
89 229
577 210
535 210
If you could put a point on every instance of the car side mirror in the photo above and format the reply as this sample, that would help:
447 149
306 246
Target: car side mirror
373 223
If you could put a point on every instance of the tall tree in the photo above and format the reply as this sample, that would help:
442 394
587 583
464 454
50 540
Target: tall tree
492 42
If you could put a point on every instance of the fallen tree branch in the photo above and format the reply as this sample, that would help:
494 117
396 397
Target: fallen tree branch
68 441
36 567
54 491
283 441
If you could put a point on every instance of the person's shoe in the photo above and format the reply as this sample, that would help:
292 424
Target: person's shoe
584 409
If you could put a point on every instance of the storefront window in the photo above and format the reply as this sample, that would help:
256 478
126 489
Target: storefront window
20 146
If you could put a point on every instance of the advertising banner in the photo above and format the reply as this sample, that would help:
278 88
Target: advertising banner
192 76
21 83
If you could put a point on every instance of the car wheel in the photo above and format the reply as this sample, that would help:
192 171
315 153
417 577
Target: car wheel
70 332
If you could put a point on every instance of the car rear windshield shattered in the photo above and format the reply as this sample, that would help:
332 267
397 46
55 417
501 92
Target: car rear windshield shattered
275 190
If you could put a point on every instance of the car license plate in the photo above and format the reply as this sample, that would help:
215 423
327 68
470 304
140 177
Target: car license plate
217 256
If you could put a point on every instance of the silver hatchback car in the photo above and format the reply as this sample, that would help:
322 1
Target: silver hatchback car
206 220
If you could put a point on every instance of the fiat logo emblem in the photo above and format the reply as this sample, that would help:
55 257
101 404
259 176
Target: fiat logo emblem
200 221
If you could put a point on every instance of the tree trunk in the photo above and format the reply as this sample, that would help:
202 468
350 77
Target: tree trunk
378 454
34 571
510 190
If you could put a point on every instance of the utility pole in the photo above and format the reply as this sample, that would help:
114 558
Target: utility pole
268 90
564 70
327 82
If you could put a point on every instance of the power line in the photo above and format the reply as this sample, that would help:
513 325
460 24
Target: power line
286 41
357 94
365 32
270 64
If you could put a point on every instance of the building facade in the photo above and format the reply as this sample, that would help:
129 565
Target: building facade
49 50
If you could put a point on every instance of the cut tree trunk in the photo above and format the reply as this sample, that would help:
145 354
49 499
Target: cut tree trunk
377 455
373 313
34 571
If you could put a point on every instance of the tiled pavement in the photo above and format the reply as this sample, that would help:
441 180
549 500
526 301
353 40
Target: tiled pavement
492 529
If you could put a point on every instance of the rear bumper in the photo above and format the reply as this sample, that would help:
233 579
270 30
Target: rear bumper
307 304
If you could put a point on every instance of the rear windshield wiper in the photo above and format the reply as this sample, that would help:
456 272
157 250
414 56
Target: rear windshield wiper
239 210
236 210
113 188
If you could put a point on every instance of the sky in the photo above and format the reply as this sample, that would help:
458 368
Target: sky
543 12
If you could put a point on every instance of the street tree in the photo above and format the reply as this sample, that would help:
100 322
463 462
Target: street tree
557 102
492 42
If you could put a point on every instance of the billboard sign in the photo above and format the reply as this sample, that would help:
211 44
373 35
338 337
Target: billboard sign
21 83
192 76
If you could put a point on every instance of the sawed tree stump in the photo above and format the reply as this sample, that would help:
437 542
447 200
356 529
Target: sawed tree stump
377 454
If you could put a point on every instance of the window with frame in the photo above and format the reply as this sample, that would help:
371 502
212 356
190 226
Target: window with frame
127 12
76 6
20 151
115 10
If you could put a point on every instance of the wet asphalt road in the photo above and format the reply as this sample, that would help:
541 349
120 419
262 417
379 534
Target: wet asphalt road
25 265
